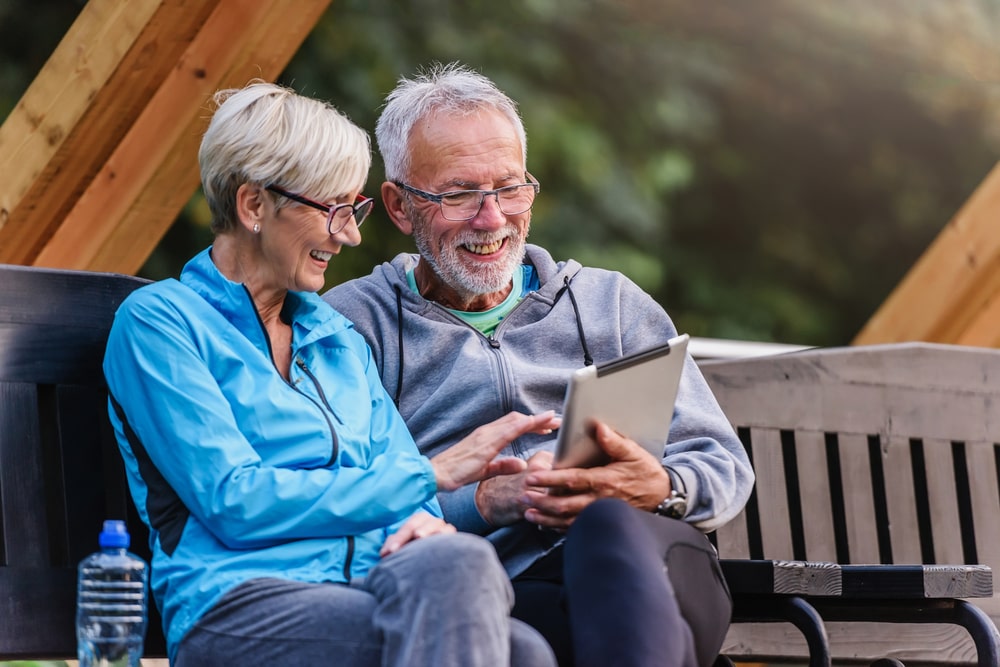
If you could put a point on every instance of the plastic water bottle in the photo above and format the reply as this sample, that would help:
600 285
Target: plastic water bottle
111 602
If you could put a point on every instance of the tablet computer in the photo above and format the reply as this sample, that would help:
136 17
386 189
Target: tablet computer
633 394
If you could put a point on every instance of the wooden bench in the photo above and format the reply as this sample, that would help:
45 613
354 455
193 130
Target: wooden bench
876 500
821 426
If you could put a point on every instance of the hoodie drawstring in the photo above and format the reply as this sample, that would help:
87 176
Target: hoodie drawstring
399 331
587 359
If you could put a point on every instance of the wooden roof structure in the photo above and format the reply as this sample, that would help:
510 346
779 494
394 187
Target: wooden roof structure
952 293
99 156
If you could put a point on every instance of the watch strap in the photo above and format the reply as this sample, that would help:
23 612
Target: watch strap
674 505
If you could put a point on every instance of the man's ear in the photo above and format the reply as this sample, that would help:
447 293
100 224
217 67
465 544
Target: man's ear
250 206
395 206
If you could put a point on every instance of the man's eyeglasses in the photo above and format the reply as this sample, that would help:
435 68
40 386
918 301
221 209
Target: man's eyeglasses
460 205
337 215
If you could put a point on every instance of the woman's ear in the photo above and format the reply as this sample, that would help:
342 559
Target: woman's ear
395 206
251 207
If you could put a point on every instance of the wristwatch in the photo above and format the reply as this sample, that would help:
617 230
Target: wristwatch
675 505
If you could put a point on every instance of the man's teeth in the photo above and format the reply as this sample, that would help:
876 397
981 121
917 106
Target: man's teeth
484 249
321 256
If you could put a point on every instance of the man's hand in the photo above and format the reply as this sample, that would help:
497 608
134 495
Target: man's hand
501 500
417 526
633 475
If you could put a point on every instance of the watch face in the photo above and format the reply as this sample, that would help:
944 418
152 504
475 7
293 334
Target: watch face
673 507
677 508
680 507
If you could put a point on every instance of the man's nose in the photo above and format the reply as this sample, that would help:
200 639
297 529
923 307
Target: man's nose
490 216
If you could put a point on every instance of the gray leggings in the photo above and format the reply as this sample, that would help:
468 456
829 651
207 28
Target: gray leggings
442 600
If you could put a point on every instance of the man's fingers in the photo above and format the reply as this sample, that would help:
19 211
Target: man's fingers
614 444
560 506
574 480
543 520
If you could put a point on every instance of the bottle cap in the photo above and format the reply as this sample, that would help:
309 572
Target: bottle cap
114 535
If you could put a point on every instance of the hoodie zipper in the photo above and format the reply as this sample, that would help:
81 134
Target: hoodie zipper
495 346
494 343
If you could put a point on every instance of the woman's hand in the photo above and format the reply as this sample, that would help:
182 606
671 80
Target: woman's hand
474 457
419 525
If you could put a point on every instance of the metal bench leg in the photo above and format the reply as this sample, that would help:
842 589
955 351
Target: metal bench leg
984 632
805 617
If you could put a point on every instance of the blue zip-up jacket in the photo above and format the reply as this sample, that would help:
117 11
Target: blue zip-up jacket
449 378
238 473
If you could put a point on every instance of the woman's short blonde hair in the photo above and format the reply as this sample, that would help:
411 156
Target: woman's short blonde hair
268 134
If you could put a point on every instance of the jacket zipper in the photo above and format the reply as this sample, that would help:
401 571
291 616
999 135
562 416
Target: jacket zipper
348 560
322 395
335 445
326 415
494 344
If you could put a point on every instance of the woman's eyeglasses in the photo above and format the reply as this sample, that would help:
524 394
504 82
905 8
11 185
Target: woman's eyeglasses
337 215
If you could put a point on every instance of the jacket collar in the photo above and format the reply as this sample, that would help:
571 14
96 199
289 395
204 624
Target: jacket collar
310 316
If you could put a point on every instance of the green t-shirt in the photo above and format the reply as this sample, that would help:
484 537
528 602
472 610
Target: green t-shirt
486 321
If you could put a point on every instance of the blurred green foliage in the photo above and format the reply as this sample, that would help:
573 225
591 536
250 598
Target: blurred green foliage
767 170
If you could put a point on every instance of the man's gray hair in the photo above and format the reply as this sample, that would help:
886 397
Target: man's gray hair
451 89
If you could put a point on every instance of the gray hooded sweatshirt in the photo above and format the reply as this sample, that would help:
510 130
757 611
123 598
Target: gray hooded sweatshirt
448 378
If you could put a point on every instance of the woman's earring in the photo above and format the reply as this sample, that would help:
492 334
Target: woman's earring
256 228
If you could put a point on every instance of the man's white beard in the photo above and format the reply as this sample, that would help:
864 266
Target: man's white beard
448 266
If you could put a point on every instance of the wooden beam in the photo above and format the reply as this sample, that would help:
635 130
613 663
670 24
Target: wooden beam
85 99
133 200
111 212
952 293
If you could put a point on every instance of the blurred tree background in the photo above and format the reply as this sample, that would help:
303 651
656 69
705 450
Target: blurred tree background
766 169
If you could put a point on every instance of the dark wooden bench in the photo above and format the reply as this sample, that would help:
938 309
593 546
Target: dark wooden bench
875 521
60 471
850 472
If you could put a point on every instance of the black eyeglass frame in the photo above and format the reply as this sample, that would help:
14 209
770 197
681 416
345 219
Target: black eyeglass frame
483 194
362 205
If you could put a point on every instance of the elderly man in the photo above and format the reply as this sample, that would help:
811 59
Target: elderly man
607 562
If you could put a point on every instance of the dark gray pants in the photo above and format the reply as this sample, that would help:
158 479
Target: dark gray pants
630 589
442 600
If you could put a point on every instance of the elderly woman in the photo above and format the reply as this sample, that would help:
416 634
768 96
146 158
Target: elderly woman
293 520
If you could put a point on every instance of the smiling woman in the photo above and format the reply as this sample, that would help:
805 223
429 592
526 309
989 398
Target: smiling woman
266 236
